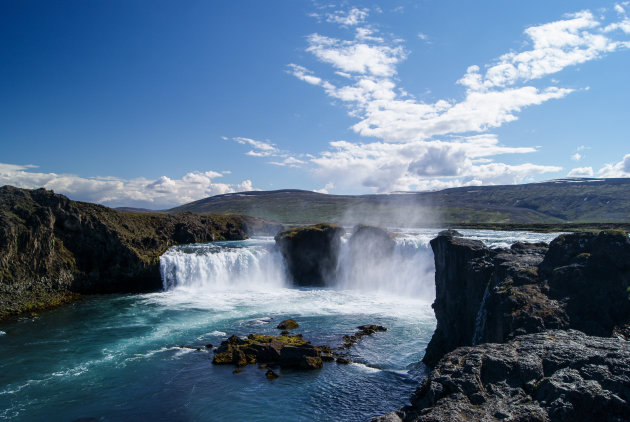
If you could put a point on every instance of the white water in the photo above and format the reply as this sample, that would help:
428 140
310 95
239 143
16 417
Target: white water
255 265
480 320
408 272
249 265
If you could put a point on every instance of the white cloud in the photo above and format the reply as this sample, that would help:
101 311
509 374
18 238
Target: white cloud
326 188
163 192
258 145
385 167
624 24
556 45
576 157
581 172
620 169
357 56
269 150
288 161
419 145
351 17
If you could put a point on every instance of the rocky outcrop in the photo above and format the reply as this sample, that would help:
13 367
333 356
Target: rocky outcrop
370 243
552 376
515 312
482 295
311 253
285 351
459 289
589 274
52 248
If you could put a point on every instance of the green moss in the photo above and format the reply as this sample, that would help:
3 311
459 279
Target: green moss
295 340
299 231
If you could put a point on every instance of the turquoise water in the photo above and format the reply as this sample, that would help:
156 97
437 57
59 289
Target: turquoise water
117 357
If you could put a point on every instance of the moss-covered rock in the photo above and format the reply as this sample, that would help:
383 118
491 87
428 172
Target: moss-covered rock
288 324
311 253
285 351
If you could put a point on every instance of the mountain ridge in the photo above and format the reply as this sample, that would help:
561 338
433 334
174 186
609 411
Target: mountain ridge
550 202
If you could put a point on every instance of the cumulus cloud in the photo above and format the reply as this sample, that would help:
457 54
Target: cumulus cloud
351 17
261 148
266 149
430 144
555 46
160 193
385 167
288 162
581 172
326 189
619 169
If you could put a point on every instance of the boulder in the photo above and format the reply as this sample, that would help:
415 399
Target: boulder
288 324
271 375
311 253
285 351
302 357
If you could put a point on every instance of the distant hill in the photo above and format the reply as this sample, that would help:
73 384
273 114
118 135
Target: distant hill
553 202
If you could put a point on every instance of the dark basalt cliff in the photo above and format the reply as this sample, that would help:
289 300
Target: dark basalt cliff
506 346
52 248
311 253
556 375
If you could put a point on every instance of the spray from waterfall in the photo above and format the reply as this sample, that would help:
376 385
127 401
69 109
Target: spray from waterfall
404 268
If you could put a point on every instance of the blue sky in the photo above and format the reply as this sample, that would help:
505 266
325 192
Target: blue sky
157 103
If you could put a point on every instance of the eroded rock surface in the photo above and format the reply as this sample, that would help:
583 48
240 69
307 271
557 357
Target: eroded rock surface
552 376
492 295
506 345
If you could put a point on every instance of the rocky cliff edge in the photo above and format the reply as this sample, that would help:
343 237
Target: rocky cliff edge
529 333
52 248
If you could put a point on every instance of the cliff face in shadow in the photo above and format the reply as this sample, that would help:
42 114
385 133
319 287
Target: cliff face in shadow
52 248
490 296
311 253
530 333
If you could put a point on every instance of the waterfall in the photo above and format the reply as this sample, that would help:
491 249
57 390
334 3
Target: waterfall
249 265
408 271
256 265
480 319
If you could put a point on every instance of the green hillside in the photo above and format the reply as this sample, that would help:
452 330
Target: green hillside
577 201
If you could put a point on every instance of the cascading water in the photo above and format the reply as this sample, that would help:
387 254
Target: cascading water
256 265
250 265
480 319
407 271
